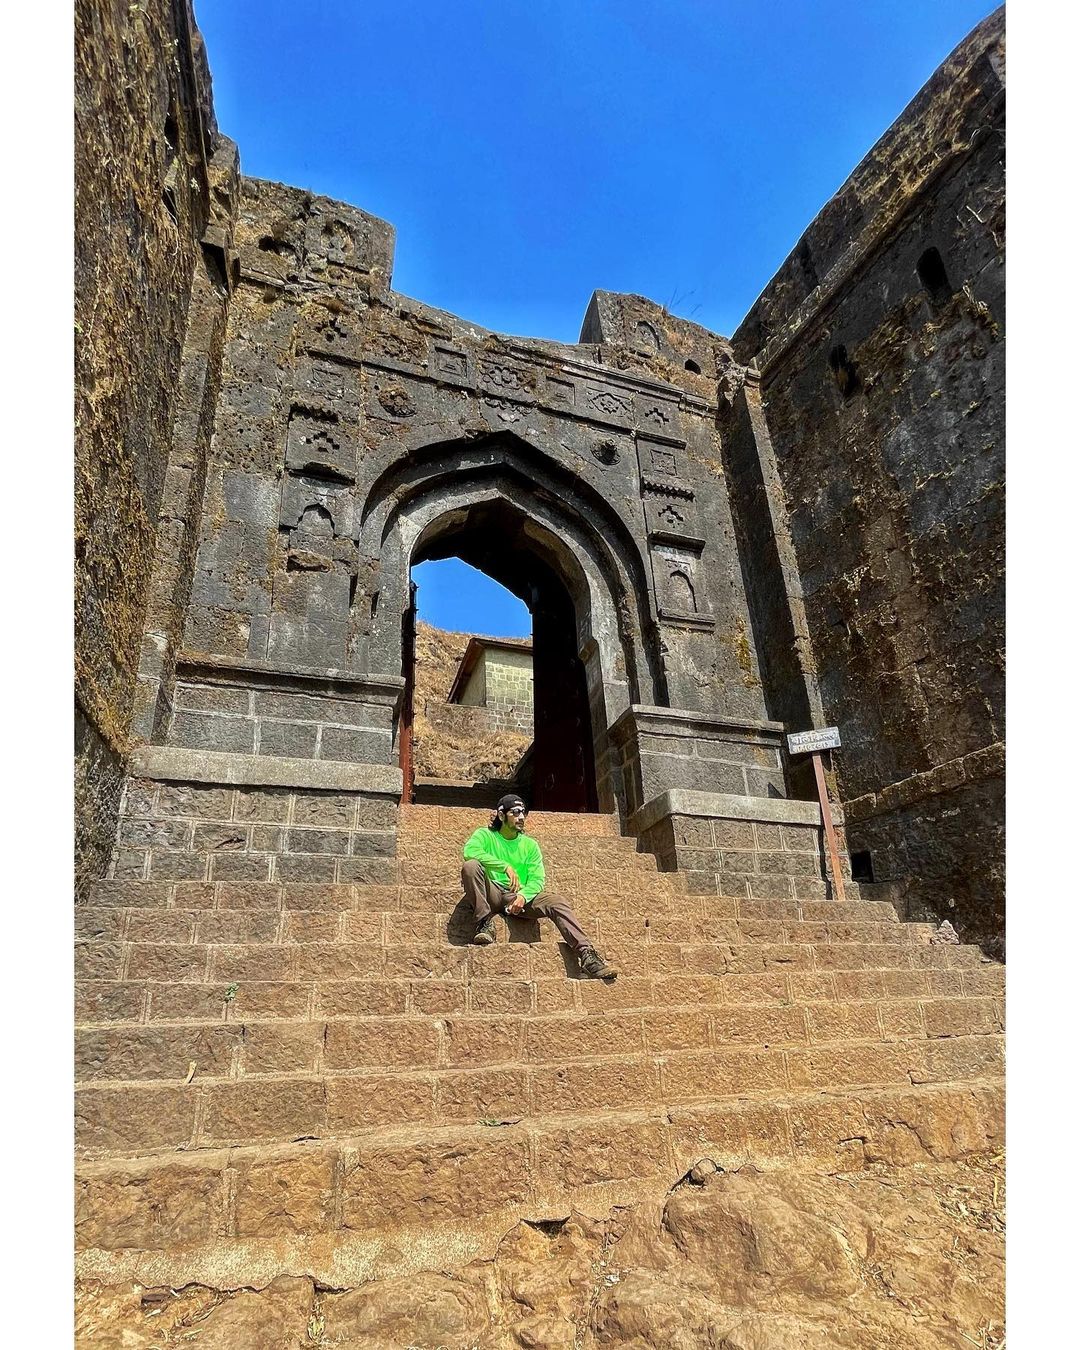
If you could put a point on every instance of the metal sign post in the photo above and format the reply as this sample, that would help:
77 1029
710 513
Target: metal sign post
813 743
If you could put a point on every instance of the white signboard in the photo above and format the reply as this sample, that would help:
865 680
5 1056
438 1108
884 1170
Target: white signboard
802 742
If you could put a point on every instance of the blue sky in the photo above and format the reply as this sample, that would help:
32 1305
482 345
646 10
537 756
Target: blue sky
529 152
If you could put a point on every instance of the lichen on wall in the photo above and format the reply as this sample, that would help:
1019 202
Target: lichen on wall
881 357
143 129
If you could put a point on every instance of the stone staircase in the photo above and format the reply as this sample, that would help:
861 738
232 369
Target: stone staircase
285 1077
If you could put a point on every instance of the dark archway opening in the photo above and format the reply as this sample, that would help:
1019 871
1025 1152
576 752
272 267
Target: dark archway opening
559 773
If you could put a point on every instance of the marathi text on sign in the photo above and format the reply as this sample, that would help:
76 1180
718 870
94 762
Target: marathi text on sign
802 742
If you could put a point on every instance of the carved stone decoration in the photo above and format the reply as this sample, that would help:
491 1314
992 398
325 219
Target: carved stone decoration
605 452
664 487
504 374
645 336
331 384
681 592
611 402
400 348
316 445
680 588
674 517
500 411
395 400
339 242
299 492
312 589
560 393
660 455
450 362
331 334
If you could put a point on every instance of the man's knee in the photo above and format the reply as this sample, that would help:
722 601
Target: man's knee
472 870
548 905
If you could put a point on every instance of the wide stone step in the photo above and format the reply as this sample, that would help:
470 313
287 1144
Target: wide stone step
101 1002
142 1117
241 1050
269 895
457 926
208 963
346 1209
631 893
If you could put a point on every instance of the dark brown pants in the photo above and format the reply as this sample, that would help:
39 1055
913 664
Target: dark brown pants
488 898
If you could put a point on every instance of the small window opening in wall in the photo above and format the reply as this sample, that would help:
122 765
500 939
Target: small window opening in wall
844 371
933 276
862 866
693 368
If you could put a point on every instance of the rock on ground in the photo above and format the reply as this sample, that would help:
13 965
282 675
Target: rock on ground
884 1259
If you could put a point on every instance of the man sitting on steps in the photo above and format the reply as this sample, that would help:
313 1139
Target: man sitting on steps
504 872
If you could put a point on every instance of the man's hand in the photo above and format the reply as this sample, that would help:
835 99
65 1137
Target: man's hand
513 883
517 905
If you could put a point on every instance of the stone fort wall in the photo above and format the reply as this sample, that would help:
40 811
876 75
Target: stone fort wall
149 284
800 526
879 361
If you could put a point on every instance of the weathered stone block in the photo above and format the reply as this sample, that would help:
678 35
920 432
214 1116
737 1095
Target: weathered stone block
239 867
317 841
272 1109
148 1207
293 1048
271 804
232 838
153 833
212 699
365 747
291 739
306 867
325 809
380 1044
292 1194
133 1119
202 803
202 731
434 1183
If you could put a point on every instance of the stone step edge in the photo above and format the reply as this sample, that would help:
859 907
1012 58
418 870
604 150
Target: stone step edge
631 1060
452 1132
757 907
481 1018
764 932
143 1200
452 884
791 955
411 1017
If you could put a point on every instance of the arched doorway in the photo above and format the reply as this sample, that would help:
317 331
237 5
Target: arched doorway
560 773
510 509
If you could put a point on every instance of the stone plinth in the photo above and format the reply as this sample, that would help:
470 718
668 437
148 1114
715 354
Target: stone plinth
666 749
200 815
761 848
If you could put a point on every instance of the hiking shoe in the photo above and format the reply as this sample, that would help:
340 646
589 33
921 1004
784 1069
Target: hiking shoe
485 933
594 965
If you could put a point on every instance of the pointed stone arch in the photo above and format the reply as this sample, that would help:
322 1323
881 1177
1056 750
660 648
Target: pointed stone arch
441 500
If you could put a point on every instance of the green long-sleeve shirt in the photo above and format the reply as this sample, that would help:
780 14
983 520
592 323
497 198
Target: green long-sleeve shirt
493 850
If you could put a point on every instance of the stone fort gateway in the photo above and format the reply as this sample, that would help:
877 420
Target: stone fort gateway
721 540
